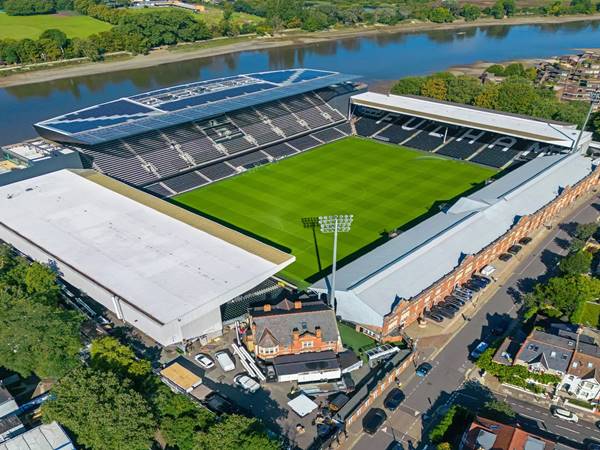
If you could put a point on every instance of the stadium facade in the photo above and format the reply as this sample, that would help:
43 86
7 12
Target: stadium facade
160 268
391 286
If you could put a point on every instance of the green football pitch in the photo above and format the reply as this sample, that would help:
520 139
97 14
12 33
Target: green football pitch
384 186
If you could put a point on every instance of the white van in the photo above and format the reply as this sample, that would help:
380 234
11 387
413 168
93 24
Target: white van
225 361
564 414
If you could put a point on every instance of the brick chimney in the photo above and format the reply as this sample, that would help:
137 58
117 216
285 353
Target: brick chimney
295 335
267 308
297 304
318 333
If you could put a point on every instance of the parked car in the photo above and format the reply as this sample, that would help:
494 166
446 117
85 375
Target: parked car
463 291
219 404
505 257
564 414
247 383
204 361
478 282
433 316
393 399
524 241
443 312
373 420
423 369
482 279
472 286
514 249
225 361
455 300
450 305
461 296
477 351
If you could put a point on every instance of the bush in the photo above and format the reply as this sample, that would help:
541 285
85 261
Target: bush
28 7
496 69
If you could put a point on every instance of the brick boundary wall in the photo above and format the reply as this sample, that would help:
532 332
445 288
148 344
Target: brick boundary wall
408 311
378 390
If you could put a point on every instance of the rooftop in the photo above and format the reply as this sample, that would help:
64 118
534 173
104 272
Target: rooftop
181 104
488 434
306 362
554 133
45 437
165 261
552 351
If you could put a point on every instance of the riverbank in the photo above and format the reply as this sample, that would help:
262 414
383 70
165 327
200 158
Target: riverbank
222 47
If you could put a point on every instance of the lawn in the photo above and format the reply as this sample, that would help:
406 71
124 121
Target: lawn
211 15
21 27
591 315
352 339
385 187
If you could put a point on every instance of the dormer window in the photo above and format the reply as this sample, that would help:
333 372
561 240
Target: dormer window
575 365
590 365
552 354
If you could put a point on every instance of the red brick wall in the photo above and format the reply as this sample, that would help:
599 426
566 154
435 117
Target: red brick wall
407 312
379 390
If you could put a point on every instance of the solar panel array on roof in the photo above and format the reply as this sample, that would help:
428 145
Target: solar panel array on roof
180 104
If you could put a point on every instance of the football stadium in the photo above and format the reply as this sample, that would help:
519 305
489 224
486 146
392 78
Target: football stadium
437 191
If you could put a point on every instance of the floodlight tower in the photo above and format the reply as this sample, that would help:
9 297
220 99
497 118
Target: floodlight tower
335 224
594 98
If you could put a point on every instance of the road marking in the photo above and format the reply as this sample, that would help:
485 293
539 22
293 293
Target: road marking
568 429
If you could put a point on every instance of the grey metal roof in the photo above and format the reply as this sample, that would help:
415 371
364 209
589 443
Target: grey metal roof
4 395
129 116
406 265
485 439
551 351
305 362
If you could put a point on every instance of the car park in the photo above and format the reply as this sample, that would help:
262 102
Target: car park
423 369
393 399
472 286
247 383
204 361
455 303
443 312
450 305
477 351
373 420
433 316
479 282
455 300
225 361
514 249
505 257
564 414
483 279
524 241
461 295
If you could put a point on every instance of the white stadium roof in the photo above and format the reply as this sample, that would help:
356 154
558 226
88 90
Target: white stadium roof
403 267
554 133
156 257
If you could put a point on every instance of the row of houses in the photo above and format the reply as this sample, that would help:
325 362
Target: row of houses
562 350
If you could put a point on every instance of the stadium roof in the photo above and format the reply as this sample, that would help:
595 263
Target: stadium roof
164 261
563 135
44 437
181 104
408 264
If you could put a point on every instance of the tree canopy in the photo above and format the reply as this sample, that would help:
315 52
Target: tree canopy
103 411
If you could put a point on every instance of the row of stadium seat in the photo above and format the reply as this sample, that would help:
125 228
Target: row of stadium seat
164 153
196 178
482 147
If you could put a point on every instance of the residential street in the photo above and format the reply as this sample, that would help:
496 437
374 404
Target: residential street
451 366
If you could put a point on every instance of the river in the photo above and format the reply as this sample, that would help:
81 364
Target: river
376 58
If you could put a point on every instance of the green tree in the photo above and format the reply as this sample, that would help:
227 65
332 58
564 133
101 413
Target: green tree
236 433
584 231
40 279
499 410
435 88
563 295
516 95
101 410
464 89
315 20
408 86
488 97
108 354
576 263
470 12
443 446
514 69
496 69
28 7
440 15
572 112
57 36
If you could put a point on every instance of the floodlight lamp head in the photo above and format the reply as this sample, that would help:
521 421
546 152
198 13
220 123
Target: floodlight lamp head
342 222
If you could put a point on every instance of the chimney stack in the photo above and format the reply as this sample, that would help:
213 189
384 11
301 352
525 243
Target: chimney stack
267 308
295 335
318 332
297 304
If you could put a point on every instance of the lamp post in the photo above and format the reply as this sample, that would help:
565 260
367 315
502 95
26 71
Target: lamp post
334 224
594 98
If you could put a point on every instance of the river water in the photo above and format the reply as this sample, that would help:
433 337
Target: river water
376 58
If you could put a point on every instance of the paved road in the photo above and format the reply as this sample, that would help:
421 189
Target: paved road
452 364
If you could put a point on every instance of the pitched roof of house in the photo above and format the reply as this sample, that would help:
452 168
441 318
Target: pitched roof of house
279 323
586 361
551 351
306 362
267 339
488 434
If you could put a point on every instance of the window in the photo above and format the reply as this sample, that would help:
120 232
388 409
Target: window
575 364
590 365
307 344
565 356
268 350
552 354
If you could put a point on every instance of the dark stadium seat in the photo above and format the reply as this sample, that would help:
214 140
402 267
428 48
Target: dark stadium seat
345 128
327 135
185 182
431 137
249 158
282 118
158 190
217 171
494 157
304 143
466 143
366 126
280 150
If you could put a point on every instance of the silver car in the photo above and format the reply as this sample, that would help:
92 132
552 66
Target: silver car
247 383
